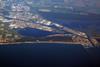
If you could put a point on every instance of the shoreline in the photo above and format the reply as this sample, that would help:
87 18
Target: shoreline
46 42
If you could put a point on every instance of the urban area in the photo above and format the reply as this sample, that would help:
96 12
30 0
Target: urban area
22 14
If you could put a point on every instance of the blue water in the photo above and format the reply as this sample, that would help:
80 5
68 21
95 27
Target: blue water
49 54
79 22
53 54
29 32
86 24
